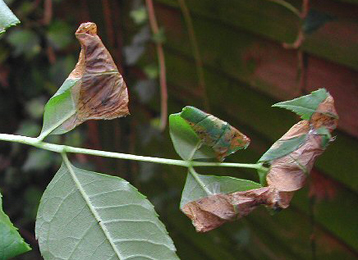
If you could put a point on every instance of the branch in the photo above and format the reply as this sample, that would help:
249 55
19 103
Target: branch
57 148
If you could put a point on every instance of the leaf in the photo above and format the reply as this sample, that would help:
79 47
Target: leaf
25 42
283 147
11 243
214 184
305 106
326 136
94 89
203 188
7 17
198 135
139 15
85 215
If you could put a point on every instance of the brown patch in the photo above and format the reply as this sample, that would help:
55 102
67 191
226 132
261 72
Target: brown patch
102 92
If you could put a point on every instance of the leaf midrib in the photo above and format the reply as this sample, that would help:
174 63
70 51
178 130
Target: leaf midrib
92 209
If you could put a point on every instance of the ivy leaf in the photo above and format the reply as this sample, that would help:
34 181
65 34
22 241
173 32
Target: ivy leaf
11 243
305 106
200 186
198 135
7 17
85 215
283 147
94 89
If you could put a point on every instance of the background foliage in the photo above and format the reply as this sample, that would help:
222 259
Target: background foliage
246 69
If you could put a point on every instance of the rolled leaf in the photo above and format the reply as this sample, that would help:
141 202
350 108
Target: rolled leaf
94 89
291 159
7 18
202 186
85 215
11 243
198 135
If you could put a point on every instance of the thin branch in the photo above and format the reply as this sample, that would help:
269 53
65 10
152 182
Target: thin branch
57 148
196 52
161 59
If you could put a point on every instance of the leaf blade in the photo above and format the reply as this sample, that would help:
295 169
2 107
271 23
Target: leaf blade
305 106
7 17
283 147
105 212
11 243
204 135
215 184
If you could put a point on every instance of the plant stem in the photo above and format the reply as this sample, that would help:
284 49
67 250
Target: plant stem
197 179
57 148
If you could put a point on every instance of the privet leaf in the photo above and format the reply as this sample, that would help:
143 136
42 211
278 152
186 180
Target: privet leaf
85 215
198 135
11 243
7 18
305 106
94 89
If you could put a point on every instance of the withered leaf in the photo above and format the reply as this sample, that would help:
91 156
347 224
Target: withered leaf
287 172
94 89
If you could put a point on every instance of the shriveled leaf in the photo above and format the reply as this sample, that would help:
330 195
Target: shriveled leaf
204 135
289 173
85 215
291 159
305 106
7 17
11 243
202 186
94 89
211 212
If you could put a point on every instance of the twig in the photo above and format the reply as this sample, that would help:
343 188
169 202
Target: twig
163 81
196 52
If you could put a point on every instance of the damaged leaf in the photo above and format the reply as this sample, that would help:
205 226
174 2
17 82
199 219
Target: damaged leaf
305 106
198 135
94 89
291 159
193 190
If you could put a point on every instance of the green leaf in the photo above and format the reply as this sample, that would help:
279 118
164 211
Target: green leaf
25 42
85 215
283 147
198 135
59 109
326 136
186 142
139 15
199 186
11 243
7 17
305 106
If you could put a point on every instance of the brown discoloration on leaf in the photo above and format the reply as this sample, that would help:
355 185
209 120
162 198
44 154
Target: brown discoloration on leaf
286 175
326 115
102 92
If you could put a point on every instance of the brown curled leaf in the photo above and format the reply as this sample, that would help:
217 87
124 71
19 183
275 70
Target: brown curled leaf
94 89
213 211
287 173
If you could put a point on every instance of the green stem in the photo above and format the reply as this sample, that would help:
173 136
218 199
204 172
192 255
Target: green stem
197 179
57 148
